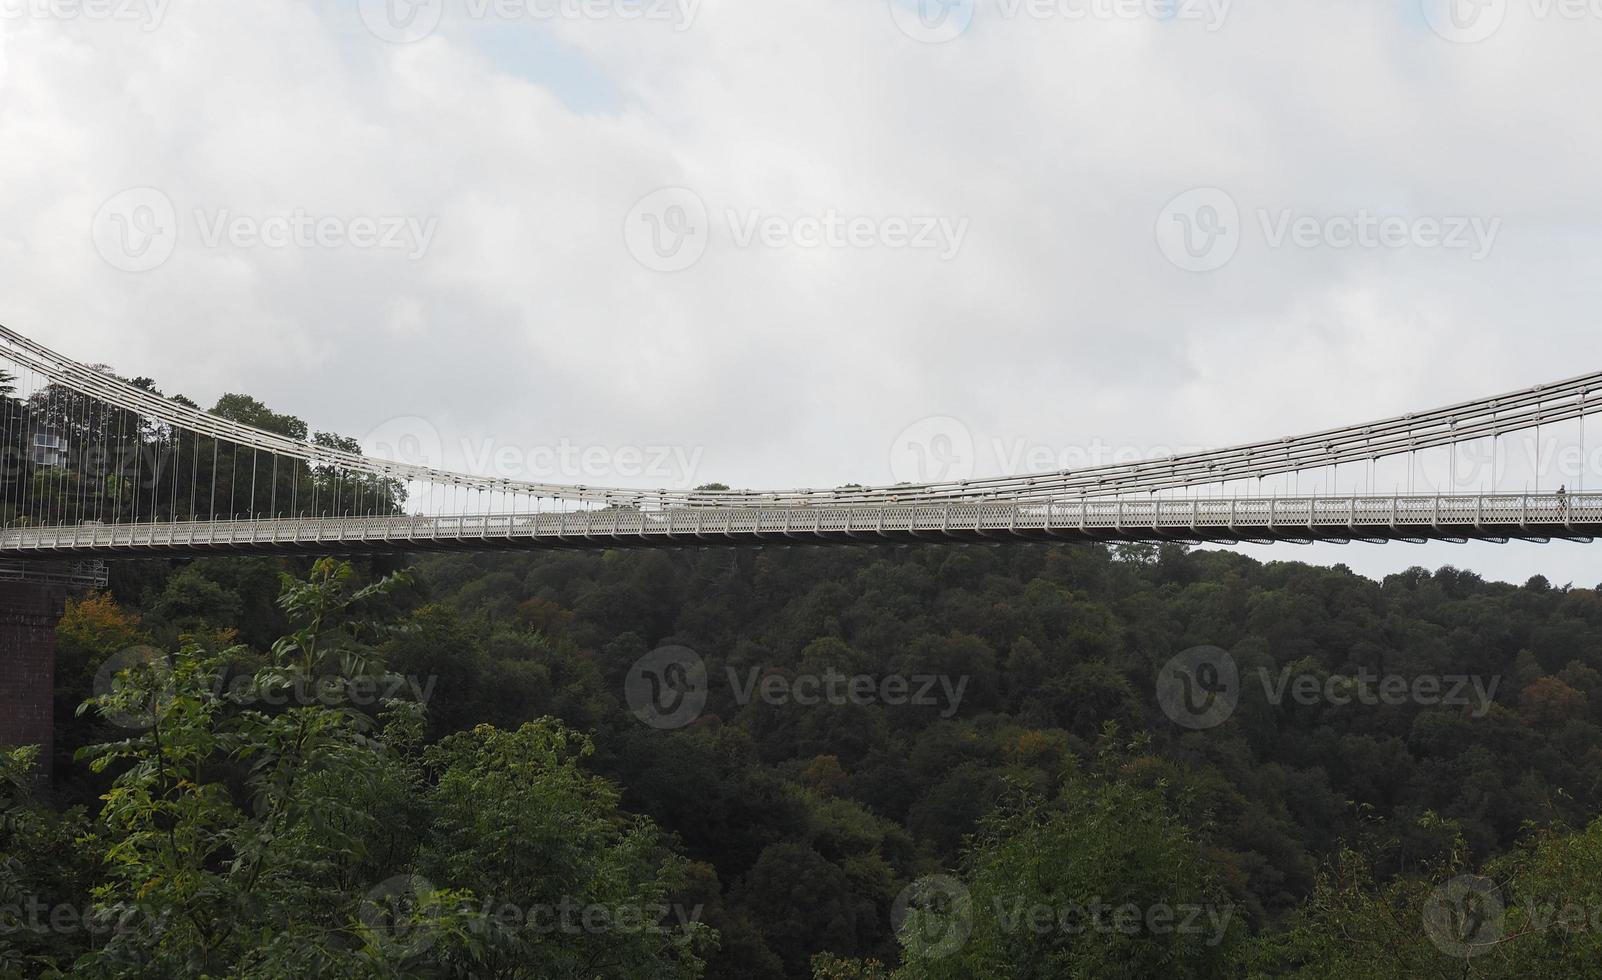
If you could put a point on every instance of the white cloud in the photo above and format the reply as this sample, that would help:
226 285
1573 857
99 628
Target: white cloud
1058 140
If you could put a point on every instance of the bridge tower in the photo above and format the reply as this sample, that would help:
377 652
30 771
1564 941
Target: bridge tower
32 598
29 612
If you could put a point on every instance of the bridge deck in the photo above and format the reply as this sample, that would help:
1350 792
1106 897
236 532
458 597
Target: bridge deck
1449 518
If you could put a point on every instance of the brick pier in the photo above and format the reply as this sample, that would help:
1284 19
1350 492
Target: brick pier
29 612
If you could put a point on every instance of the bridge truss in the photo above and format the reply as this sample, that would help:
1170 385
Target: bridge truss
96 466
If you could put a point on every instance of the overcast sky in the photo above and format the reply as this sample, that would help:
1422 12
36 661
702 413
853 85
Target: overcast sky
772 244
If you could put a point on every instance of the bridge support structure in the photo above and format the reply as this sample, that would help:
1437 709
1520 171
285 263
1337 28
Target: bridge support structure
29 612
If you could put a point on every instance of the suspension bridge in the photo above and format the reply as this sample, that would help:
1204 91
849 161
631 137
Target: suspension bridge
97 467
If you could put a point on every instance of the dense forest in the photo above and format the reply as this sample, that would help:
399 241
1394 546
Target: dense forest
870 762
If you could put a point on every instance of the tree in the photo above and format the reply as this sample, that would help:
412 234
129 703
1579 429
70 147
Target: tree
289 824
565 888
1529 915
1106 882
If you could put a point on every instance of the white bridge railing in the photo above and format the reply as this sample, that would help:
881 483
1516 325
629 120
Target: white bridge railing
1446 517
